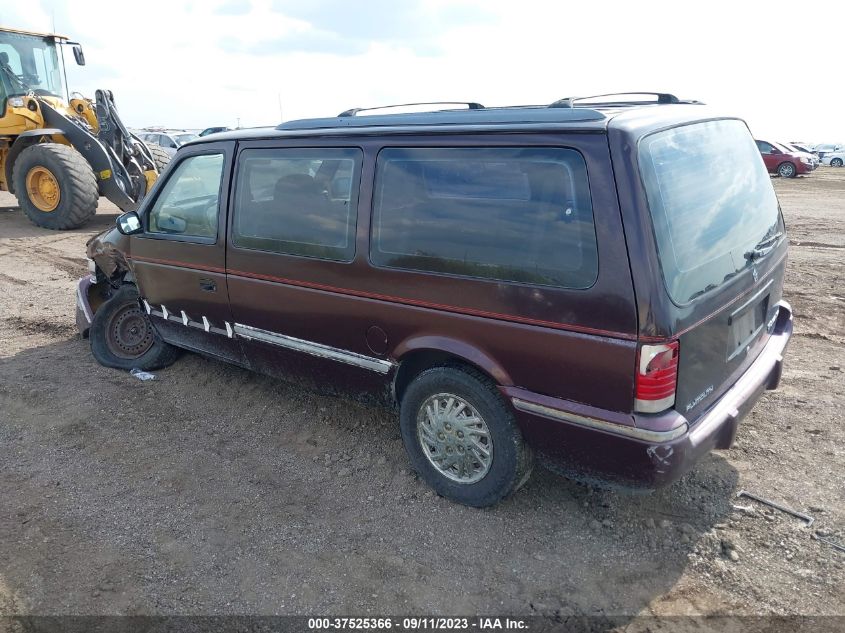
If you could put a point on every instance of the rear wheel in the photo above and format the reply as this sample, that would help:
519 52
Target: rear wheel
123 337
836 162
461 437
55 186
786 170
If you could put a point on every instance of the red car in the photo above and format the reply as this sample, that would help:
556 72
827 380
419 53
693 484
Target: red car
783 161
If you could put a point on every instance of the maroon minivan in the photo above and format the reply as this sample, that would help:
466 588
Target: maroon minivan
594 283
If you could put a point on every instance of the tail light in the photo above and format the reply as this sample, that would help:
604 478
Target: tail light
657 377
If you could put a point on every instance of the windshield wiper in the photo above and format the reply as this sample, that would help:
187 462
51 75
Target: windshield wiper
763 246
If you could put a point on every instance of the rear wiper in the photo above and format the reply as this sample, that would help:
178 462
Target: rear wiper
763 246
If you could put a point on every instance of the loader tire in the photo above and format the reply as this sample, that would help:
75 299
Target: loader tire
55 186
160 157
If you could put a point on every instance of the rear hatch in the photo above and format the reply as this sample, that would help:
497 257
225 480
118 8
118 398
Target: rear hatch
722 250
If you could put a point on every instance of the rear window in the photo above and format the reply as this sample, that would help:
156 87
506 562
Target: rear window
711 203
510 214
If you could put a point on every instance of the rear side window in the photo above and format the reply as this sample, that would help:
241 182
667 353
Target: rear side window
298 201
711 203
510 214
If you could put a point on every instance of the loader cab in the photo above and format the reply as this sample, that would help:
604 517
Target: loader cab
30 62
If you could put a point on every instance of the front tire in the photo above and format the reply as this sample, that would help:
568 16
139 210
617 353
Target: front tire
787 170
461 437
55 186
836 162
123 337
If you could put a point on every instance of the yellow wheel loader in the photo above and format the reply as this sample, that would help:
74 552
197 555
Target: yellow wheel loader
59 151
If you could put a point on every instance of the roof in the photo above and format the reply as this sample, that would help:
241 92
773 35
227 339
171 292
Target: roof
4 29
563 115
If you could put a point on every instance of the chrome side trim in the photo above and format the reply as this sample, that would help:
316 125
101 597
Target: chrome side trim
593 423
314 349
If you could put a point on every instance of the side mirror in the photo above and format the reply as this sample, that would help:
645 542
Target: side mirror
78 55
775 150
129 223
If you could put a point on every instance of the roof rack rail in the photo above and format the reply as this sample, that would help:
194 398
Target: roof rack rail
662 99
471 105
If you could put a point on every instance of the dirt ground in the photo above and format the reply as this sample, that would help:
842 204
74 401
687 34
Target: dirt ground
215 491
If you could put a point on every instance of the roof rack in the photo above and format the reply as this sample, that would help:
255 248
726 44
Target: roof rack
471 105
567 111
661 98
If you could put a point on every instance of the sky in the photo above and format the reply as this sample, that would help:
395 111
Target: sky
195 64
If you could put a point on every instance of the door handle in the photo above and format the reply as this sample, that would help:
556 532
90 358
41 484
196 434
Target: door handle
208 285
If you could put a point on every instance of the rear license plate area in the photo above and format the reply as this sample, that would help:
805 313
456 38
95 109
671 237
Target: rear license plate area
746 324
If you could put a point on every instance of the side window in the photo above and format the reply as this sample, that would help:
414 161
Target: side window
298 201
765 148
188 202
167 141
511 214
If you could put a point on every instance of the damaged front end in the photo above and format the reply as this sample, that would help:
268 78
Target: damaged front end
108 263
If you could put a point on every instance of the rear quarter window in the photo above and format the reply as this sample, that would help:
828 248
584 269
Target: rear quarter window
509 214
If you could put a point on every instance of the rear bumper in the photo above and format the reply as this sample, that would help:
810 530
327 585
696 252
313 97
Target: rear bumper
638 451
84 313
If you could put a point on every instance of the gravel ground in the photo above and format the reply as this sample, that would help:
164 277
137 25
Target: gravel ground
215 491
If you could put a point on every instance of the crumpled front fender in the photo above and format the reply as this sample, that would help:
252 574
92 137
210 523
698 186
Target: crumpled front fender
109 251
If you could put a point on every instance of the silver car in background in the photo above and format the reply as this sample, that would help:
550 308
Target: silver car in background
169 140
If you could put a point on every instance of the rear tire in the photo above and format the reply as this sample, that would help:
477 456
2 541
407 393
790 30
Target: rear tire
836 162
55 186
787 170
123 337
160 157
455 417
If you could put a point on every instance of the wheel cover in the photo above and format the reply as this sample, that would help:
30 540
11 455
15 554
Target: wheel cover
43 189
787 169
454 438
129 334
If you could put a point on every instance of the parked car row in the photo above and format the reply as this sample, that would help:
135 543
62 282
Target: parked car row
169 140
832 154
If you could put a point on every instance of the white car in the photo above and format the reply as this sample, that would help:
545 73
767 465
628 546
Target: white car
835 158
822 149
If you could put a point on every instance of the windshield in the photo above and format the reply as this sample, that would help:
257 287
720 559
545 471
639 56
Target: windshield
711 203
181 139
29 63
